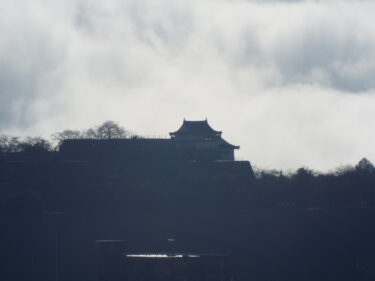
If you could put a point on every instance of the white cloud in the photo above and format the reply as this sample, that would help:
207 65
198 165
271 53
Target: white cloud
292 82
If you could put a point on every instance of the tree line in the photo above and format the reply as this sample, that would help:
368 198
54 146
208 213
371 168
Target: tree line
107 130
349 186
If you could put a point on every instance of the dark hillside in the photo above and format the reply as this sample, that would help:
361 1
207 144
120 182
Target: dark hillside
55 203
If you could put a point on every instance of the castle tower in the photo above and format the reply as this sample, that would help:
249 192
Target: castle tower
197 140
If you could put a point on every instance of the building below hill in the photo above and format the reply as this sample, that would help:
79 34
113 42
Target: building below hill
193 141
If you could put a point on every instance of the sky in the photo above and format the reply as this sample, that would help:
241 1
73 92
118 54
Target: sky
291 82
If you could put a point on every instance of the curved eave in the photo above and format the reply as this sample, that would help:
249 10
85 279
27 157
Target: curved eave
178 130
212 130
227 145
230 146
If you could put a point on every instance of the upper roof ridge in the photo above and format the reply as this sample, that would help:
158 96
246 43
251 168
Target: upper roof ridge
195 127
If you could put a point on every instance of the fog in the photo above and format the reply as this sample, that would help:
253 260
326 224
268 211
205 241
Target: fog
291 82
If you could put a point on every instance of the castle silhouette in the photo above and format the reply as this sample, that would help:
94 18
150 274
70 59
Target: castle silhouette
193 141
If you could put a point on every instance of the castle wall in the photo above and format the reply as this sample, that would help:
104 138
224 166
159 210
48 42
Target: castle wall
227 155
128 150
141 150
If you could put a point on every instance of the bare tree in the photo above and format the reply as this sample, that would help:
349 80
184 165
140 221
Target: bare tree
108 130
90 134
9 144
111 130
59 137
34 144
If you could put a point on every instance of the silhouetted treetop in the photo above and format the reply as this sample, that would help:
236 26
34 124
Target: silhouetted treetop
365 166
111 130
59 137
303 174
35 144
342 170
107 130
11 144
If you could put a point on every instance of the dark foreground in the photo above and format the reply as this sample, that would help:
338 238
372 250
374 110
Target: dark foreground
267 244
305 226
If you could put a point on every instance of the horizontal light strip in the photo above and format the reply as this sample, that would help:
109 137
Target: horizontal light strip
153 256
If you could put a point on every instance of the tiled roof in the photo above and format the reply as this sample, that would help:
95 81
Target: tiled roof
195 127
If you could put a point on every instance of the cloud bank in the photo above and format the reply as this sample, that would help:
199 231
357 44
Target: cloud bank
292 82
